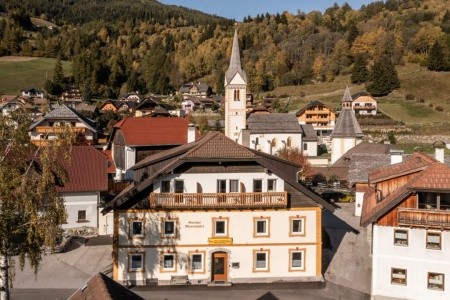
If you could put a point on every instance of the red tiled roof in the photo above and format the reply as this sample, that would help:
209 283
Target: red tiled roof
87 170
111 164
417 162
154 131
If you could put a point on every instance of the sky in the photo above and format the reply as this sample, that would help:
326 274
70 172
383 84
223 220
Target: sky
229 8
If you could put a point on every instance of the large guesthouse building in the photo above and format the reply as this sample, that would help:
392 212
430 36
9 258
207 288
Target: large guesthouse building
215 212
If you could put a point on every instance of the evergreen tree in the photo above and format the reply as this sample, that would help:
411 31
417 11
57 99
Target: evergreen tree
360 72
383 77
87 91
445 25
58 77
436 59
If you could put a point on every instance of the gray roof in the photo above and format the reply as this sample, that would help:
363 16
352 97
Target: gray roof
309 134
273 123
235 62
346 125
202 87
362 163
347 96
64 112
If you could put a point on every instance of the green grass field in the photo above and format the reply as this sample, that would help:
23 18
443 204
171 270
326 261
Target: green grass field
16 75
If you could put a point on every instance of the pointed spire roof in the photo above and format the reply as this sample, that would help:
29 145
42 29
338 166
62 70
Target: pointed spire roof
346 125
235 62
347 95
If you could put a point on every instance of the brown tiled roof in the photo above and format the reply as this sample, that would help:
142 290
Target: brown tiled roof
418 161
435 177
101 287
154 131
213 146
216 145
87 170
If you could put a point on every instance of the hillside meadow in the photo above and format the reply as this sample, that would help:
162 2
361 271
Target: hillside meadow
17 73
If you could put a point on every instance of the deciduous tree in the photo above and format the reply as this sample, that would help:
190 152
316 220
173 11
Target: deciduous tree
31 210
296 155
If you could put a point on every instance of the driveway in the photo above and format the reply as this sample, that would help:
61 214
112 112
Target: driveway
347 261
70 269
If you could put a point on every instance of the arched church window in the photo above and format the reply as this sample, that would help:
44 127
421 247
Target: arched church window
236 95
289 142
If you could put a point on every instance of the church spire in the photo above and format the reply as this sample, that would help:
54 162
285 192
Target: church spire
235 62
347 98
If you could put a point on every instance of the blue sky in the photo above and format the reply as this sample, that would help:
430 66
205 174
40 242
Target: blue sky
228 8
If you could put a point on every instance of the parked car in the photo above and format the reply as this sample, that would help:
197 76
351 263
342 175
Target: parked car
61 244
332 196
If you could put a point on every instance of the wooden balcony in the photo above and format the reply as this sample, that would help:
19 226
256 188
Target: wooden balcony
218 200
57 129
439 219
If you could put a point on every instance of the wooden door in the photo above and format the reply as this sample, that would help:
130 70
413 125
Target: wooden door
220 266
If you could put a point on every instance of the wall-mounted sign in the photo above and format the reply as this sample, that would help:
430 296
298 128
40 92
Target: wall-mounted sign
220 241
194 224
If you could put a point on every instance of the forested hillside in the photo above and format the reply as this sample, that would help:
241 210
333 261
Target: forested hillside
118 46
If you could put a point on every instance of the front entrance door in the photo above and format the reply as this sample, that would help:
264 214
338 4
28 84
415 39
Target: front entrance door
220 266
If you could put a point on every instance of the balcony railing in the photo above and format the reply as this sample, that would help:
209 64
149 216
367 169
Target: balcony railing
424 218
59 129
218 200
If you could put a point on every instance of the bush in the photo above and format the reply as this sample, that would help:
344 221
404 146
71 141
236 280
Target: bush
410 97
421 100
439 108
430 105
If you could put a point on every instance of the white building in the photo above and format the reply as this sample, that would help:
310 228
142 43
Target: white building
87 179
364 104
215 212
406 208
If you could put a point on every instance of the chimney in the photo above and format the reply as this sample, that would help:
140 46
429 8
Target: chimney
191 133
439 147
396 156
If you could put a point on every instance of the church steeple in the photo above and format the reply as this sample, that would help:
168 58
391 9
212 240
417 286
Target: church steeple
235 94
347 99
235 62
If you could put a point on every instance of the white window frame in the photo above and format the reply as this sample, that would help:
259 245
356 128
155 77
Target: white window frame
231 182
136 235
130 262
291 226
291 259
202 262
274 185
163 260
266 220
164 233
215 221
257 268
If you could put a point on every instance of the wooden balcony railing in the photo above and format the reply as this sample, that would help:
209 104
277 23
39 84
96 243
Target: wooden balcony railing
424 218
218 200
57 129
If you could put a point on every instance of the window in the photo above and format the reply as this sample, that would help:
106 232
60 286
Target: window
400 237
261 226
436 281
220 227
165 186
196 262
236 95
398 276
271 185
169 228
234 186
261 261
136 228
168 262
289 142
257 185
136 262
434 240
297 226
221 186
305 146
297 259
179 186
82 216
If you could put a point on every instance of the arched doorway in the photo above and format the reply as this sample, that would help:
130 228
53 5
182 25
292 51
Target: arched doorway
219 266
